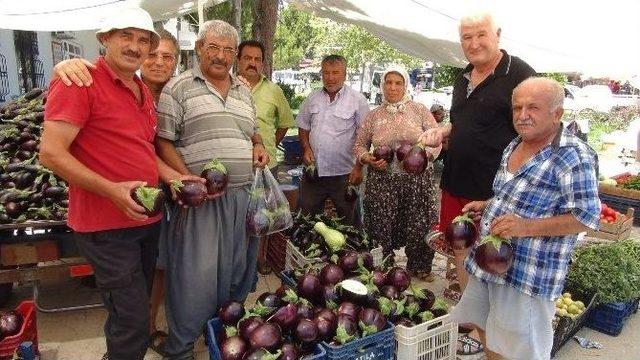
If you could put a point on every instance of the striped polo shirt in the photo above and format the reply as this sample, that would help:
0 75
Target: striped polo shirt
203 125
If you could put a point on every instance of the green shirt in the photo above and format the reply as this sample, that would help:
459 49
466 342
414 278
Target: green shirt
273 112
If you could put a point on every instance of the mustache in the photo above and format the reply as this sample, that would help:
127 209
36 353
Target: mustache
131 53
524 122
252 67
216 61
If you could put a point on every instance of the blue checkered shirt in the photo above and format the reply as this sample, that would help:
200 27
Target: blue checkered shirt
559 179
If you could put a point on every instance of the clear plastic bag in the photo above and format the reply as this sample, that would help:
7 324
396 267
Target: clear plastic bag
268 210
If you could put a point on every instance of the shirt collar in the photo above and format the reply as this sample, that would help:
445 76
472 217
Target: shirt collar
338 94
503 68
261 82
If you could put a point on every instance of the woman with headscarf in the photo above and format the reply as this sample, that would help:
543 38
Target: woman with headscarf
399 208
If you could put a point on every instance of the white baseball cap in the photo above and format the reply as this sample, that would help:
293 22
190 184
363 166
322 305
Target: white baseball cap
130 17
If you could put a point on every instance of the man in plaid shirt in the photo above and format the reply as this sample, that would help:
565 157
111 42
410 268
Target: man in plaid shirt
546 192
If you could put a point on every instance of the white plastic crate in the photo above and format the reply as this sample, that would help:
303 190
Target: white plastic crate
419 343
295 259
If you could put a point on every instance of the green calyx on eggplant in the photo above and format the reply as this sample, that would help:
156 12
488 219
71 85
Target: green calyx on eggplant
494 255
215 174
152 199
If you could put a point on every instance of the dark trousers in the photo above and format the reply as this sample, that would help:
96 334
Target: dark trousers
313 195
123 262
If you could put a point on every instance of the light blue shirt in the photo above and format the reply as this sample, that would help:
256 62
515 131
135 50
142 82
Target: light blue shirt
332 128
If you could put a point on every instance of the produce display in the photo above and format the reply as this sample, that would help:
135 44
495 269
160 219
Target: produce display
320 236
609 215
611 270
565 306
29 190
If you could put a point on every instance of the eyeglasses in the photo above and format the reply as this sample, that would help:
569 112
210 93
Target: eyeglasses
215 48
164 57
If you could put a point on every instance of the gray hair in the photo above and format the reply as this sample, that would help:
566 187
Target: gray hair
477 19
553 89
218 28
165 35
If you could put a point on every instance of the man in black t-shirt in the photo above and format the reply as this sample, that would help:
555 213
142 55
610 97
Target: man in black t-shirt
481 121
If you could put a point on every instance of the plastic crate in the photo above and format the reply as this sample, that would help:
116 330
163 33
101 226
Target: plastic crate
421 343
567 328
215 325
622 204
378 346
610 318
28 331
296 260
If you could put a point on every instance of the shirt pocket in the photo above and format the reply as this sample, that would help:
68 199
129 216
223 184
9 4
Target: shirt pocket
345 118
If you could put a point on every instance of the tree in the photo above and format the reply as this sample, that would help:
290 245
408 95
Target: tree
265 17
294 38
445 75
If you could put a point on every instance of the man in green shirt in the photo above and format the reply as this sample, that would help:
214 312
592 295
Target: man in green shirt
273 111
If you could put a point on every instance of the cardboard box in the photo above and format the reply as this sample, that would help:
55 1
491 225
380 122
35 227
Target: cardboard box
28 253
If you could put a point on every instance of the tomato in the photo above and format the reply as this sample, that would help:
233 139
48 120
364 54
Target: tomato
610 219
609 212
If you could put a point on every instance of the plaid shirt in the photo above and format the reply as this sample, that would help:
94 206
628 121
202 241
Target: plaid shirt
559 179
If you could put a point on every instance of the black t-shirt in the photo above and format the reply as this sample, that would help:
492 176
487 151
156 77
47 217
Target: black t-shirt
481 129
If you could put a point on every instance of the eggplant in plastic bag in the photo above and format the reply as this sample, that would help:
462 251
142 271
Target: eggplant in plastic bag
268 210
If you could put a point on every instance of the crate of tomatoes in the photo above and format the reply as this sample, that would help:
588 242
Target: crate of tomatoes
613 224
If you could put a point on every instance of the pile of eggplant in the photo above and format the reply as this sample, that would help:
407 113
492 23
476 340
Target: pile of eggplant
320 236
353 277
28 191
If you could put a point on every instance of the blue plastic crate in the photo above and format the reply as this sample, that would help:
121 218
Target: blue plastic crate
215 325
378 346
287 278
610 318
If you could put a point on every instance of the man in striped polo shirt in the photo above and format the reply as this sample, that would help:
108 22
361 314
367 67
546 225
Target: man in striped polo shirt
207 113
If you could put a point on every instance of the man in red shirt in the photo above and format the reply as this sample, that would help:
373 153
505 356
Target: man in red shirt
100 139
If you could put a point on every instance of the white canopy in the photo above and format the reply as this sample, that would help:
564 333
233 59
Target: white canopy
74 15
599 38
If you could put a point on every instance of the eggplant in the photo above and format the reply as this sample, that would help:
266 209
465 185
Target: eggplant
270 300
371 321
54 192
234 348
306 331
10 323
330 296
494 255
247 325
216 175
348 262
461 233
289 352
259 222
286 316
404 321
390 291
367 260
23 155
309 287
32 94
12 209
190 193
351 193
353 291
425 298
331 274
346 329
399 278
349 309
231 312
29 145
391 309
261 354
415 162
26 136
379 278
305 310
24 180
267 336
403 149
152 199
326 327
383 152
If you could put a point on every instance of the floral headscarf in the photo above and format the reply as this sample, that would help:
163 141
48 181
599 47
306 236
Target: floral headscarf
400 105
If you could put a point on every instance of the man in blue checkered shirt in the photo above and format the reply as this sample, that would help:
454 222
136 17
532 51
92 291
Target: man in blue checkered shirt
546 192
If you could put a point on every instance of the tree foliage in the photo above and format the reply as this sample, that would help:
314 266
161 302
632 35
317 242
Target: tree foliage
445 75
295 37
559 77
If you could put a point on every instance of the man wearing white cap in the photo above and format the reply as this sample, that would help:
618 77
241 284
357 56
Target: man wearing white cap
100 139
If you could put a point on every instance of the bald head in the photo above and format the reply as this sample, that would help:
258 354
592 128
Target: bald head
537 110
552 89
